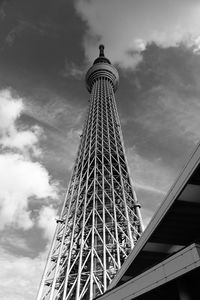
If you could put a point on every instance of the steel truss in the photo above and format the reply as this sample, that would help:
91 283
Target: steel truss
100 220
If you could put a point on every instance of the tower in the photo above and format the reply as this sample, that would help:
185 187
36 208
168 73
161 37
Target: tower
100 220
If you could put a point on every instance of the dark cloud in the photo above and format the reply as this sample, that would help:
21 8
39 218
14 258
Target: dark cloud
158 103
35 41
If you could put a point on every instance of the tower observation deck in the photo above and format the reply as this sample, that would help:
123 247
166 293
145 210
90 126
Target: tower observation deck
100 219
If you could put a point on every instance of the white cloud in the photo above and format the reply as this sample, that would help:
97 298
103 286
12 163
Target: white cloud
10 110
21 179
12 241
196 44
10 135
126 26
20 276
47 221
25 140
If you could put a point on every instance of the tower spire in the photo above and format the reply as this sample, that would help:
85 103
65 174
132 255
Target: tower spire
102 58
101 50
100 220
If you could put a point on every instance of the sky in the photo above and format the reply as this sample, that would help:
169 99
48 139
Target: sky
46 48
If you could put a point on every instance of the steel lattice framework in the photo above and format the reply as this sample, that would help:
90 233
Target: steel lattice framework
100 219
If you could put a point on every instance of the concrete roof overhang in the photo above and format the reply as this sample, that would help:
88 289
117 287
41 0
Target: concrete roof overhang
161 280
175 225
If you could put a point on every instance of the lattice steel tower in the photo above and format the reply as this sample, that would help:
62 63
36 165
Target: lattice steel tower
100 219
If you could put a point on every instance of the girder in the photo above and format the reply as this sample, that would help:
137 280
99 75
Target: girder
100 221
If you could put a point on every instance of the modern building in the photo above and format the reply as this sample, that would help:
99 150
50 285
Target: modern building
100 220
165 263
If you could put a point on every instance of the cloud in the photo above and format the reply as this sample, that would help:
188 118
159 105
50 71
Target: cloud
13 241
149 174
47 221
126 26
161 108
21 178
152 179
167 94
146 216
2 10
196 44
73 70
10 110
10 135
20 276
25 140
63 122
161 122
54 111
13 34
21 26
172 113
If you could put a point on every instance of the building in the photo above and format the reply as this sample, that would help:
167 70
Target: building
100 220
165 263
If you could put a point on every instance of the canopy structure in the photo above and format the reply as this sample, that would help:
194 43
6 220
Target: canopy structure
165 261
